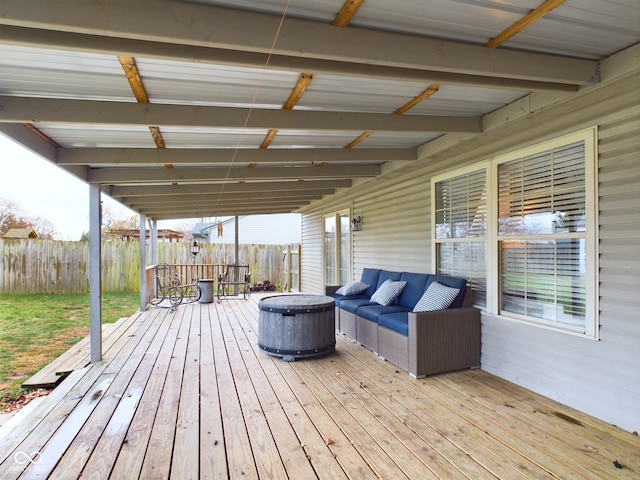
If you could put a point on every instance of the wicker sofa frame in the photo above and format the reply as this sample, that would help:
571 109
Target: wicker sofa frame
437 341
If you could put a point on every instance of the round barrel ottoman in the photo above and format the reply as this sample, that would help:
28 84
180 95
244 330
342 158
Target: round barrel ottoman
297 326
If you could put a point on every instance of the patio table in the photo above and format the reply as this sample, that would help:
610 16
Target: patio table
297 326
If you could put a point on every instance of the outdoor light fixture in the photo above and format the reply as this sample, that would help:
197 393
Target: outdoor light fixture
356 223
195 248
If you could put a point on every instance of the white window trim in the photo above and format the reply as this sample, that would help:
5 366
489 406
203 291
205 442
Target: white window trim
589 136
337 215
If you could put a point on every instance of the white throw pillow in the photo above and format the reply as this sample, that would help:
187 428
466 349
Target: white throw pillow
436 297
388 292
353 288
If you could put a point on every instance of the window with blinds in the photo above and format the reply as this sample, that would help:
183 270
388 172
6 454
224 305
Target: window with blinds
461 229
541 235
521 227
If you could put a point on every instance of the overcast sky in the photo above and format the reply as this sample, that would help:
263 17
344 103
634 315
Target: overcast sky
44 190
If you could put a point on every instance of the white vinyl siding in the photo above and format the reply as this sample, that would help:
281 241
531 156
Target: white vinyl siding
312 258
597 377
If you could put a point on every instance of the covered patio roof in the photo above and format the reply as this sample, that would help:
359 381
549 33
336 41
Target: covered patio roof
182 109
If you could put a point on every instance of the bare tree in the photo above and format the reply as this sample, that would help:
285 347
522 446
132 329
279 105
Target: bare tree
13 216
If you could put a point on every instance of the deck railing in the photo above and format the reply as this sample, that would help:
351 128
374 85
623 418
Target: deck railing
187 271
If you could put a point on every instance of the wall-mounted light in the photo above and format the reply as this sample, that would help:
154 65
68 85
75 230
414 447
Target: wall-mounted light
356 223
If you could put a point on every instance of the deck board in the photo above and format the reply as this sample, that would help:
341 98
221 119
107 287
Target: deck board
189 395
78 356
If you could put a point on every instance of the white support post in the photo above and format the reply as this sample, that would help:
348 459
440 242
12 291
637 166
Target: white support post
236 242
95 269
237 249
154 243
143 263
154 251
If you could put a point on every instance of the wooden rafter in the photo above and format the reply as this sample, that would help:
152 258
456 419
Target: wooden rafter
157 136
300 87
524 22
433 88
271 134
133 76
135 82
361 137
46 138
505 35
298 90
347 12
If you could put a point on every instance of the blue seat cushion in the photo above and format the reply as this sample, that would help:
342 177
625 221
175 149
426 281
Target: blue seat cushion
455 282
416 285
351 304
339 298
370 276
397 322
374 311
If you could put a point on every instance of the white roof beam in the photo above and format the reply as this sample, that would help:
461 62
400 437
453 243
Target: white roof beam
199 156
30 37
58 111
155 209
222 211
121 191
140 175
204 196
223 28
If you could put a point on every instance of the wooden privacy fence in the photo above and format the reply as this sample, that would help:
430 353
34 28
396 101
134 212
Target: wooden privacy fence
53 266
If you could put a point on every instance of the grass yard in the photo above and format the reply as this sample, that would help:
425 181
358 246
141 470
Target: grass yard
35 329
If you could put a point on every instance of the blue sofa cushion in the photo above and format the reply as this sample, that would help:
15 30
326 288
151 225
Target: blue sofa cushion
373 312
397 322
370 276
454 282
351 304
384 276
338 299
416 285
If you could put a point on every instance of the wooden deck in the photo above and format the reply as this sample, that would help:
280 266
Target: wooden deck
188 395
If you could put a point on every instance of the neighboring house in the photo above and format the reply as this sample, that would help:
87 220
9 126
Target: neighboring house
20 233
276 229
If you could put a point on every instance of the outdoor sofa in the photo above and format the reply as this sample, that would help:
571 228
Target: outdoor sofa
422 343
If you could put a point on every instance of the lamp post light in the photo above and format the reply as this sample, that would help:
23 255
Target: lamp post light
195 250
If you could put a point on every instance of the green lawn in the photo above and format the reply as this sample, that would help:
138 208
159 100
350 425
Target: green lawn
35 329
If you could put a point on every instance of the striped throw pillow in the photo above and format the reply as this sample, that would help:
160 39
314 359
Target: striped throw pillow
436 297
388 292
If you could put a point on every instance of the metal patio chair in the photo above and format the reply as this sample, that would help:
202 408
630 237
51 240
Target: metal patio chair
235 279
173 288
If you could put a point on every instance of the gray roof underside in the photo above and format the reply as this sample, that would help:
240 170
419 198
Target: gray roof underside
218 72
